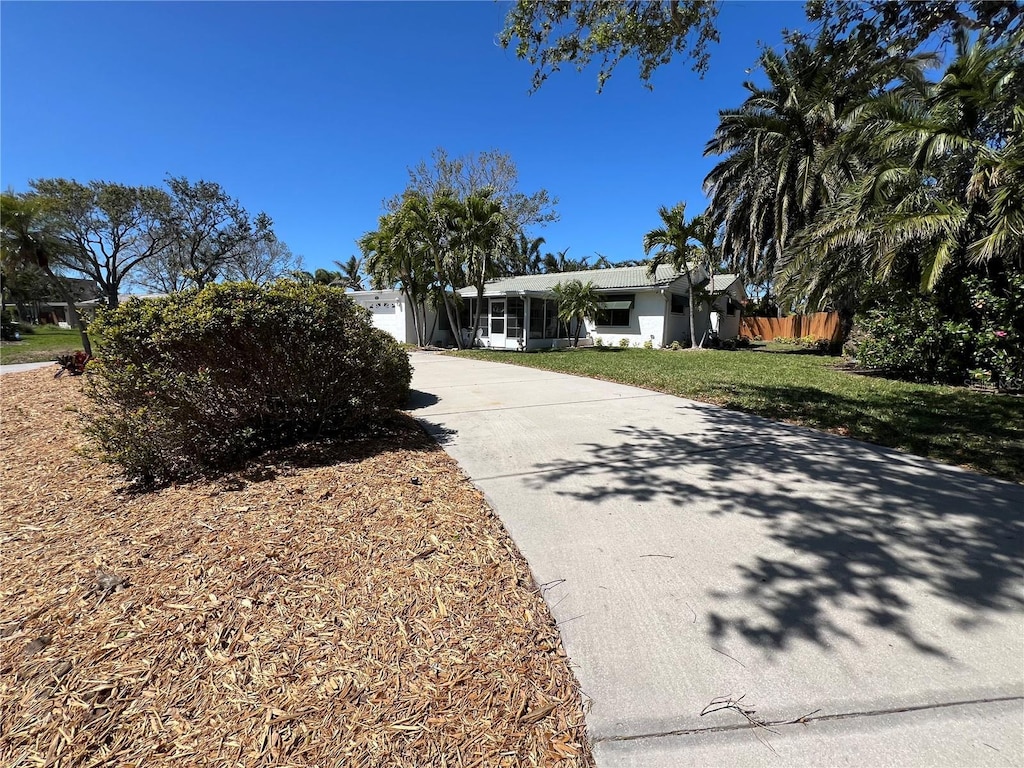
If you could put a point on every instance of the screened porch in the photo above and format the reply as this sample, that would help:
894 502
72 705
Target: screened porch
517 322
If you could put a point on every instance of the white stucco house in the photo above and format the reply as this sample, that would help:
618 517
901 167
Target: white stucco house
638 307
519 313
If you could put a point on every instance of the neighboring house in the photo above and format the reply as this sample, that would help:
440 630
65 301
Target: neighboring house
87 309
54 310
520 312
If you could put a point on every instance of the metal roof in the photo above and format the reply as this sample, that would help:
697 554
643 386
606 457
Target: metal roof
615 278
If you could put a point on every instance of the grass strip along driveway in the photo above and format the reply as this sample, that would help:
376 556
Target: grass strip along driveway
980 431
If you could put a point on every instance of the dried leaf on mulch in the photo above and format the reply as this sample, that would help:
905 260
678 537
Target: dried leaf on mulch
362 609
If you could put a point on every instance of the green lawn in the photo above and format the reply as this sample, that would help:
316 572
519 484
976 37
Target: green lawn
46 343
981 431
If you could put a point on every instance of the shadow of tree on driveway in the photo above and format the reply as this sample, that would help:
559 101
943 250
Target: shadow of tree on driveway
870 534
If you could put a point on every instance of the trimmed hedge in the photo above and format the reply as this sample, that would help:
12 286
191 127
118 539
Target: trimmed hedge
202 380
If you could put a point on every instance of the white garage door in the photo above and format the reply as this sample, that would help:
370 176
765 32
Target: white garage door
388 316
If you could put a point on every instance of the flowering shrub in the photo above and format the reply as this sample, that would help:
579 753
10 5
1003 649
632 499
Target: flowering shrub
978 338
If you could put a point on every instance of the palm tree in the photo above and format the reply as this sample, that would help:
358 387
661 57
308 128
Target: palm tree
26 238
945 184
484 238
526 257
434 222
396 254
576 301
678 243
784 160
351 276
560 262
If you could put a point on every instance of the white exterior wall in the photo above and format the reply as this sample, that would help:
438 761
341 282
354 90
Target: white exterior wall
677 328
646 322
728 325
679 324
392 314
431 333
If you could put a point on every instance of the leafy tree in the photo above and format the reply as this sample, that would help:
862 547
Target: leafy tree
905 27
351 275
328 277
434 222
526 258
560 262
458 220
576 301
484 239
28 240
23 284
550 33
460 177
303 276
106 229
212 233
784 157
264 260
681 244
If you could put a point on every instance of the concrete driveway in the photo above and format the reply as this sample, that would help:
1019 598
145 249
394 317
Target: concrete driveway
693 555
21 367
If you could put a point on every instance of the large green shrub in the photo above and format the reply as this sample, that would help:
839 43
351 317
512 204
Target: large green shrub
970 333
200 380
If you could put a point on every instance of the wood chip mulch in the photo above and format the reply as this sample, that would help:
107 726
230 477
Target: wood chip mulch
362 609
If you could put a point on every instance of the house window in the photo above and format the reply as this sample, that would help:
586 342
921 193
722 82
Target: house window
468 314
537 318
615 310
680 304
515 318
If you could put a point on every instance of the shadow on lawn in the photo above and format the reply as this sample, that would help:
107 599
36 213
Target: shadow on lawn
953 426
867 532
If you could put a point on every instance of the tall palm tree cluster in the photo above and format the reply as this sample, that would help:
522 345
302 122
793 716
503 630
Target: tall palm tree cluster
852 174
430 246
850 165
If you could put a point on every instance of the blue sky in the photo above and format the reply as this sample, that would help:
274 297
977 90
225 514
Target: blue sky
313 111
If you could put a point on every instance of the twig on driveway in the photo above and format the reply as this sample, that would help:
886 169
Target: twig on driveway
549 585
728 657
728 702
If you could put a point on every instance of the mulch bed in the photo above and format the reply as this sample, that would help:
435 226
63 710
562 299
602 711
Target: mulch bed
355 606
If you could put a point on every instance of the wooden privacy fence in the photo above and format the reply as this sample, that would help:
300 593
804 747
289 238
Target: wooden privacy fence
820 325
